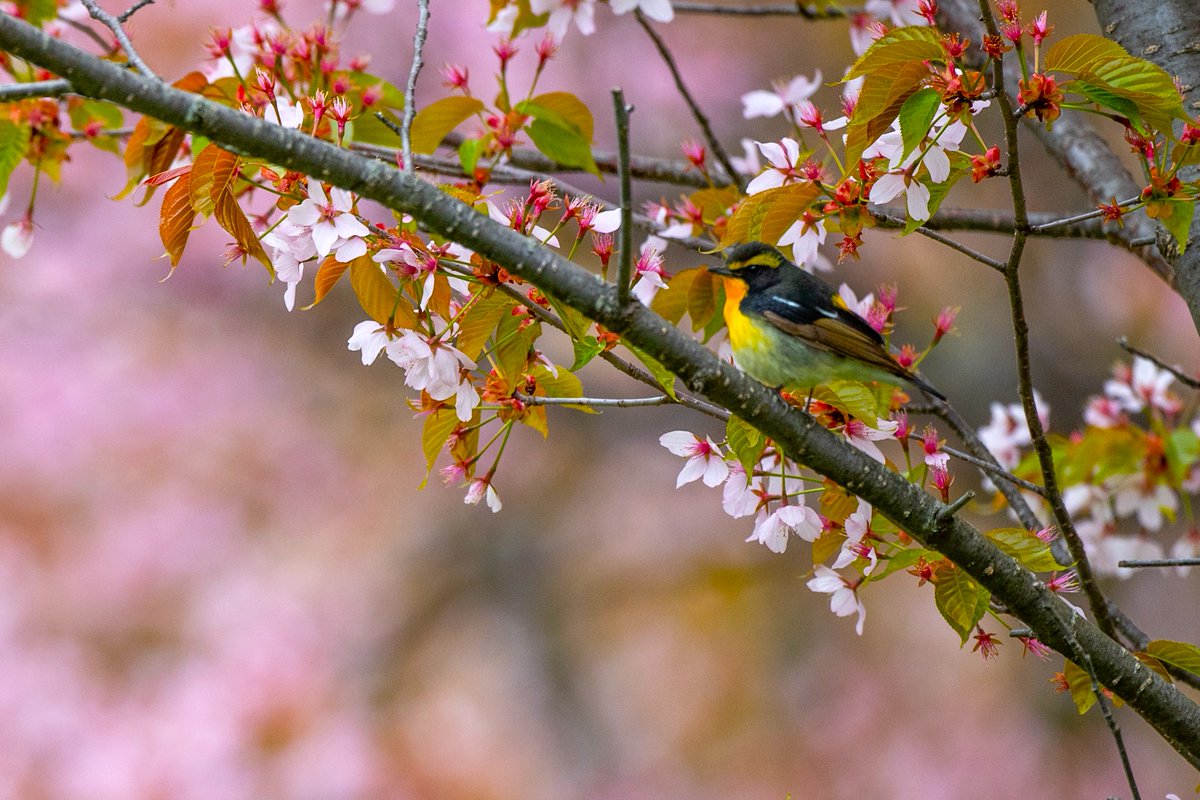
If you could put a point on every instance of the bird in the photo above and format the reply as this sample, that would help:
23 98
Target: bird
790 328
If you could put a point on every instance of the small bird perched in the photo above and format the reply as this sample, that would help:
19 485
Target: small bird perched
789 328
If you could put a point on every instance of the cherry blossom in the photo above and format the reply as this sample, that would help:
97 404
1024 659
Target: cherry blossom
1147 500
773 528
291 246
1144 385
330 222
370 338
564 12
741 497
783 161
482 488
843 595
429 365
1187 546
783 97
863 436
704 458
657 10
649 268
17 238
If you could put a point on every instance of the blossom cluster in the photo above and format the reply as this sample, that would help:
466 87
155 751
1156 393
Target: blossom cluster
1126 474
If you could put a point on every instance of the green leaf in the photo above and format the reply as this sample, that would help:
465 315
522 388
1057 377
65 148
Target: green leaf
1182 450
573 320
36 12
564 384
961 601
1081 686
902 560
882 96
745 441
586 349
1078 53
671 303
376 294
898 47
468 155
511 353
1148 85
369 129
563 109
1102 96
14 140
853 397
1178 654
664 376
477 324
702 299
438 426
566 145
1179 221
916 117
433 122
765 216
1032 552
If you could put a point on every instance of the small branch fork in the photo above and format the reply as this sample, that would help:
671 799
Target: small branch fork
410 90
115 24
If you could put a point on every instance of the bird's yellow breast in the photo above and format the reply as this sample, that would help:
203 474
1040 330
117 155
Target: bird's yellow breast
744 335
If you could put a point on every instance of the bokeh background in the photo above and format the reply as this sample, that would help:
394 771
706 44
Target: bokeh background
219 579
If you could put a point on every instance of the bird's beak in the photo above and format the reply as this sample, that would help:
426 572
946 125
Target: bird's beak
721 270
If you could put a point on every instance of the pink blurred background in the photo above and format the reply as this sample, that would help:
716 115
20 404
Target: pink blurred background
218 578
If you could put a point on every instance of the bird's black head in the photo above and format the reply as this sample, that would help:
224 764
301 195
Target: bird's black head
756 263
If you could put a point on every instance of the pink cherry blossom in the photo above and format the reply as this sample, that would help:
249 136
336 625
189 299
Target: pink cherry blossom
843 596
657 10
704 458
330 222
773 528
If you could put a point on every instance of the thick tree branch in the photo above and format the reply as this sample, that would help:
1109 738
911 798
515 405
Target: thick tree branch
1167 33
1172 714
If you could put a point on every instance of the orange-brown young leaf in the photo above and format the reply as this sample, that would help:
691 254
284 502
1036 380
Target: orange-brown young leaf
329 273
230 216
175 220
212 175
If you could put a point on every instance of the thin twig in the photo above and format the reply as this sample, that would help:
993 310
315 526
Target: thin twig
410 91
1020 325
596 402
1186 380
1053 495
125 15
969 252
625 264
1084 217
785 10
705 128
1134 563
22 91
113 24
994 470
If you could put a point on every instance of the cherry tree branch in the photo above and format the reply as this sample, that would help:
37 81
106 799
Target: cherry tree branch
410 90
114 24
1174 716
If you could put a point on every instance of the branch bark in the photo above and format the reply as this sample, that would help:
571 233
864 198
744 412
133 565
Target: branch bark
1173 715
1167 33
